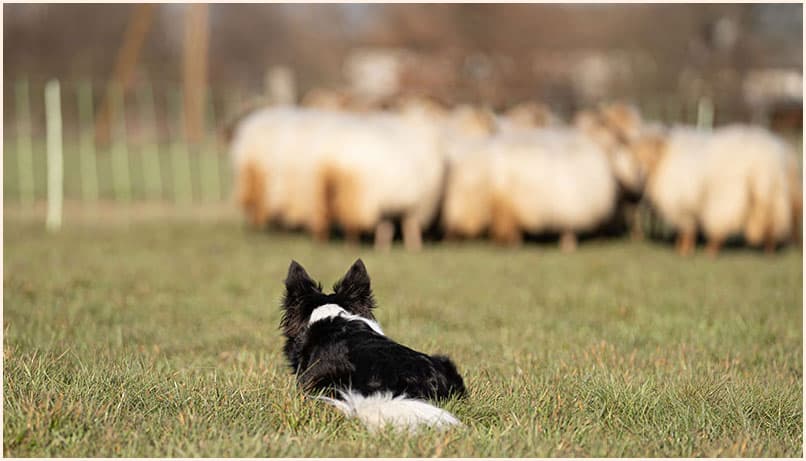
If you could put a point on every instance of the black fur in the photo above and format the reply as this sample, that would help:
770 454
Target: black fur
338 353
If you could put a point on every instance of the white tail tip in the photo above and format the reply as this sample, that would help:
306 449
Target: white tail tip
382 409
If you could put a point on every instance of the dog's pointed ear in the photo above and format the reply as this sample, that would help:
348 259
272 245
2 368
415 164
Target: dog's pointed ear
356 278
355 286
298 283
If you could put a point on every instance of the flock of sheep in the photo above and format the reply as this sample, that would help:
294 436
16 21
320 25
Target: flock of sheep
472 172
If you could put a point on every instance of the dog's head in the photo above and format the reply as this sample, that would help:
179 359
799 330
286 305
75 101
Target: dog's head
303 295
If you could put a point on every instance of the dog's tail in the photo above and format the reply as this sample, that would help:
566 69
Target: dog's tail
381 409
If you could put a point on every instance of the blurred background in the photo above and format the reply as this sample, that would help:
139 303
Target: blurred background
145 89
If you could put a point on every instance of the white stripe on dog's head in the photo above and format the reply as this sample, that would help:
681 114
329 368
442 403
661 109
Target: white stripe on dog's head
327 311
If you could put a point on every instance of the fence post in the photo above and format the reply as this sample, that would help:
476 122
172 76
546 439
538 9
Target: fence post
705 114
53 111
180 158
25 151
152 176
120 155
87 154
280 87
210 168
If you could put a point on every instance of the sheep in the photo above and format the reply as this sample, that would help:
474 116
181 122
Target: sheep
551 179
541 179
735 180
339 100
384 166
249 146
323 98
275 153
554 180
394 164
613 127
526 116
307 167
466 207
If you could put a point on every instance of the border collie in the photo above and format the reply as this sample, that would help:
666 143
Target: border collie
339 352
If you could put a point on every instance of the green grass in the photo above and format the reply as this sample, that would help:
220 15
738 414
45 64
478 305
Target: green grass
209 170
162 340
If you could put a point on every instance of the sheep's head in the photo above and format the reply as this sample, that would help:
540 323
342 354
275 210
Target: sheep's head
323 98
531 115
648 151
418 105
615 128
473 121
623 120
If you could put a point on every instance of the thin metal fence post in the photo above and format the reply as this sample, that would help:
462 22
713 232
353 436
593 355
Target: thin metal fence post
87 153
53 118
121 175
180 160
25 151
152 175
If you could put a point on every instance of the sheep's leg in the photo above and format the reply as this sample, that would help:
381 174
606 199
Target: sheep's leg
384 233
251 189
636 225
320 229
507 233
412 233
685 242
770 245
258 215
797 219
321 234
352 236
504 228
321 216
770 242
714 245
568 242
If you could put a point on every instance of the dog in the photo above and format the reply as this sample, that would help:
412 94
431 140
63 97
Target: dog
338 352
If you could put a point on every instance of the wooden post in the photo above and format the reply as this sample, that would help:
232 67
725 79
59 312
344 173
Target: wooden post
133 40
87 154
121 176
25 151
53 117
152 176
195 70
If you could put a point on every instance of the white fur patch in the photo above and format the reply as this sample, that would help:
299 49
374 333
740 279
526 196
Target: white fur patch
381 409
327 311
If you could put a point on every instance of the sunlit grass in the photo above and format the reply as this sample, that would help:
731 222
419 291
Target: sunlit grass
162 340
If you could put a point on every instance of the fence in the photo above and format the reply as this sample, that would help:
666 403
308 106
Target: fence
145 157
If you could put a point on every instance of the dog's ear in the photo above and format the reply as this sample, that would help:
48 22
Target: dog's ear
356 279
298 284
299 287
355 289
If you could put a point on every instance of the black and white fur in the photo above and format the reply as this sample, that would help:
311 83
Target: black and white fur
338 350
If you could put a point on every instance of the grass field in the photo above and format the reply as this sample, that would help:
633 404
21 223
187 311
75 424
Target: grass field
161 340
